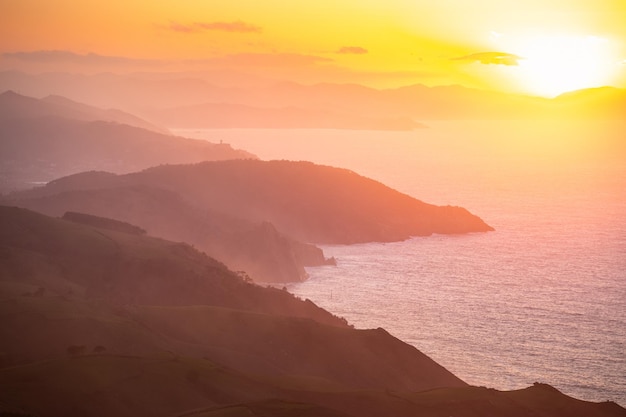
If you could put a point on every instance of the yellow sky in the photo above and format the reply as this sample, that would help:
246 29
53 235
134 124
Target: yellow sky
382 43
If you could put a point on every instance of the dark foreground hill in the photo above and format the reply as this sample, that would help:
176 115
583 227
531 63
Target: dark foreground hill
311 203
100 322
67 258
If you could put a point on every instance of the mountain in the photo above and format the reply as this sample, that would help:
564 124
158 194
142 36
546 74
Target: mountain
128 268
418 102
102 322
252 215
16 106
265 254
207 100
128 92
136 295
38 145
194 103
308 202
598 103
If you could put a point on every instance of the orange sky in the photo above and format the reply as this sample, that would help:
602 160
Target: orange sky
554 45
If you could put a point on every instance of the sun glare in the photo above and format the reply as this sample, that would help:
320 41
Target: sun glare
552 65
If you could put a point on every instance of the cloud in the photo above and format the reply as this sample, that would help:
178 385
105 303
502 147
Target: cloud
179 27
488 58
234 27
356 50
56 56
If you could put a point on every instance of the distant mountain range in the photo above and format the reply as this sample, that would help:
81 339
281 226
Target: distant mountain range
101 322
15 106
44 139
192 101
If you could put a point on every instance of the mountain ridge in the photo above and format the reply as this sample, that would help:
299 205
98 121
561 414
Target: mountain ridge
257 248
311 203
140 94
17 106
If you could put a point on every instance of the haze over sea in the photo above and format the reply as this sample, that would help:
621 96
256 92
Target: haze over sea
543 298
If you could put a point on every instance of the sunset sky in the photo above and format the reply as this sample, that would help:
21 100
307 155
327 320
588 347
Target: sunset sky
542 47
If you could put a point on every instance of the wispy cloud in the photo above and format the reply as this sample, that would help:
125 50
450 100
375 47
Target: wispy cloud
57 56
234 27
356 50
491 58
179 27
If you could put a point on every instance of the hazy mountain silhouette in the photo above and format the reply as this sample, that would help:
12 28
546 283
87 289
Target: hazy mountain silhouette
418 102
126 92
259 249
101 322
252 215
37 145
600 103
453 102
16 106
311 203
189 100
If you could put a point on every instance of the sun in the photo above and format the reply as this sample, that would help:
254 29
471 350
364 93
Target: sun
551 65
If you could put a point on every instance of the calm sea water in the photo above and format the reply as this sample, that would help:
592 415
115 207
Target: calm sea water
543 298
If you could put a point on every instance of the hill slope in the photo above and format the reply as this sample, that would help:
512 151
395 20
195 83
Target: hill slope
265 254
311 203
69 258
99 322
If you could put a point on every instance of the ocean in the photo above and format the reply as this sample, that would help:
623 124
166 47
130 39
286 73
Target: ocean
541 299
